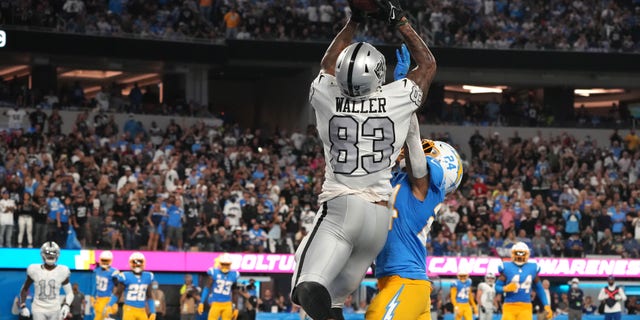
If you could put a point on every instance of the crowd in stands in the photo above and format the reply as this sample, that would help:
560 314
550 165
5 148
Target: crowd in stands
580 25
216 186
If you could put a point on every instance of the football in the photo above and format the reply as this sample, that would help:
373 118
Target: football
368 6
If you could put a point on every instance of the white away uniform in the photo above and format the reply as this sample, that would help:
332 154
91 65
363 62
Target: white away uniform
486 301
47 285
362 140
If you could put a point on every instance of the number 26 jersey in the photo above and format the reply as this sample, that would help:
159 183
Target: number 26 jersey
47 285
362 138
523 276
135 287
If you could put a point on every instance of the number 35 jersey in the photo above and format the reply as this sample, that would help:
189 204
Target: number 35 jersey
521 275
47 284
221 285
362 138
135 287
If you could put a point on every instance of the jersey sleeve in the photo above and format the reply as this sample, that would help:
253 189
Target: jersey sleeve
122 278
115 273
405 92
31 271
501 268
66 273
237 275
211 272
322 87
152 277
536 267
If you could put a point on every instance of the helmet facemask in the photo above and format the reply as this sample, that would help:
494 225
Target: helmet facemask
137 265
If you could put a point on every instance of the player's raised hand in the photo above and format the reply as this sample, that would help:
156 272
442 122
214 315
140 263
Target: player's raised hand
511 287
390 11
357 15
404 61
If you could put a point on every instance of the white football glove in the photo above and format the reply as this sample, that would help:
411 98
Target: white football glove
64 312
24 312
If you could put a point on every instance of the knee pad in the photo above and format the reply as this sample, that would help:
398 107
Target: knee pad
314 298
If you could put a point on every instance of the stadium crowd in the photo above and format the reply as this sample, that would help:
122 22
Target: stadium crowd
580 25
220 187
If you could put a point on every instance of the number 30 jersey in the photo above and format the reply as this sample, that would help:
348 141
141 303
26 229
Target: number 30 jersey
105 281
523 276
221 285
135 287
47 284
362 138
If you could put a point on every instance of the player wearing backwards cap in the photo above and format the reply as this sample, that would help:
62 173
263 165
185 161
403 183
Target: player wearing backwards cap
105 276
136 286
47 279
485 296
221 281
464 305
613 298
401 268
516 279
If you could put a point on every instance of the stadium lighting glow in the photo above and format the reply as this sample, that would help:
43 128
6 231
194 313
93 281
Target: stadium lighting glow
90 74
477 89
138 78
20 70
588 92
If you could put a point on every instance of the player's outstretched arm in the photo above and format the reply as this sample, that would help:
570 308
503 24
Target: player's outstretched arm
425 69
342 40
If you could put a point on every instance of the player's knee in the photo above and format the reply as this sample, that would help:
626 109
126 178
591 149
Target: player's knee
314 299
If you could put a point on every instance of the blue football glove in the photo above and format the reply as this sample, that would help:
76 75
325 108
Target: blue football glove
404 61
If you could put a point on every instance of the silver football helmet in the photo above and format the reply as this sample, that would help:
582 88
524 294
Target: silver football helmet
360 70
50 252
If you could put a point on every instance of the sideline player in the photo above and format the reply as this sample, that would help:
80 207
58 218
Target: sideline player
136 286
401 268
516 279
47 279
485 296
221 281
363 124
106 278
464 305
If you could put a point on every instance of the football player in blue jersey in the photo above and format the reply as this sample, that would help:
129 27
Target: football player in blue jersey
217 291
401 268
517 277
105 276
136 286
464 305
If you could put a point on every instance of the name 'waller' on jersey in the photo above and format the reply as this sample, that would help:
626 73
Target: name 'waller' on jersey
372 105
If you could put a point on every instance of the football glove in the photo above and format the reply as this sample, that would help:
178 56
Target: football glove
357 15
152 316
64 311
548 311
111 310
24 312
200 308
390 11
483 309
511 287
404 61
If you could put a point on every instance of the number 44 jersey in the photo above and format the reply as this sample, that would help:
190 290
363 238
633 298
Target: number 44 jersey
523 276
362 138
47 284
135 287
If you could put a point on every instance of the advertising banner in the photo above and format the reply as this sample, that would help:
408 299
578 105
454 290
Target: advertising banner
285 263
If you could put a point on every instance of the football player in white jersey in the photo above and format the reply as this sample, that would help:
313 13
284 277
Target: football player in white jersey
363 125
47 279
485 296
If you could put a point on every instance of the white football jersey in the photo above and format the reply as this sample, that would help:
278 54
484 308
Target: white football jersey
362 139
47 285
488 294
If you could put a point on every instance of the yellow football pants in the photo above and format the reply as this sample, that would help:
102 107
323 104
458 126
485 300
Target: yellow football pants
133 313
517 311
401 298
221 310
464 311
99 306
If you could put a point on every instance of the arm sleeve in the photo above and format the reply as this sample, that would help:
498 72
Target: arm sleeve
499 286
113 300
540 293
68 298
414 149
205 293
152 305
454 293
